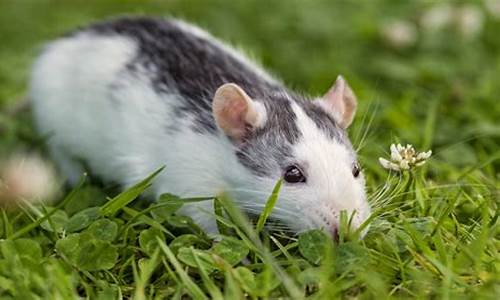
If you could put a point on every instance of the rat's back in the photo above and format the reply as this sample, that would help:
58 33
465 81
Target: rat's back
113 94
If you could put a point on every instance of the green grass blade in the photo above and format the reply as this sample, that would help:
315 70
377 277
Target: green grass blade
7 226
142 278
209 284
271 201
242 221
129 195
151 222
194 290
219 213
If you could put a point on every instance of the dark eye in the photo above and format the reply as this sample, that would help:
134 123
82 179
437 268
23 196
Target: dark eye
293 175
356 170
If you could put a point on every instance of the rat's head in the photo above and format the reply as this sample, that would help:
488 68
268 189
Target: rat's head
302 142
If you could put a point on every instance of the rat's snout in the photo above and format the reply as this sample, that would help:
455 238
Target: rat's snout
333 223
333 216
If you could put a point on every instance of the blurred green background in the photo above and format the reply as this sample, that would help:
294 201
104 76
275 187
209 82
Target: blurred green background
425 72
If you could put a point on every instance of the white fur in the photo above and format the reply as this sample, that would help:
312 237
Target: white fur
331 186
261 114
121 134
69 84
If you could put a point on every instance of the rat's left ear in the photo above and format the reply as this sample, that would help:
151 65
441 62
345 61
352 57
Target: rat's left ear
340 102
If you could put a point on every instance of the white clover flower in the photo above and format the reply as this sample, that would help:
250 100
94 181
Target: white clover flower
469 20
399 34
26 177
404 158
437 17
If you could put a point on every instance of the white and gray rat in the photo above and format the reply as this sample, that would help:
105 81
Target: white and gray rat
129 95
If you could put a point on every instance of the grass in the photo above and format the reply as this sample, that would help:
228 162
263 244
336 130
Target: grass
434 231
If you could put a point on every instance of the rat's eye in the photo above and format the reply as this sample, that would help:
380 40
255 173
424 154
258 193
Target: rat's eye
293 175
356 170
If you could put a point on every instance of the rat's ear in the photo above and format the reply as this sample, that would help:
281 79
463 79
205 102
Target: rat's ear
235 112
340 102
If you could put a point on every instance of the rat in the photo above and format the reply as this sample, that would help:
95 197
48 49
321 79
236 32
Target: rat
131 94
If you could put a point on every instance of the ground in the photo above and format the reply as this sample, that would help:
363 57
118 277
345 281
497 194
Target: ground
425 73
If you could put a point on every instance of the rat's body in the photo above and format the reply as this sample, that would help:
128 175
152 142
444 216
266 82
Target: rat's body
131 95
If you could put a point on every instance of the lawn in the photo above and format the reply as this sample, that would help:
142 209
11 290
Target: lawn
425 73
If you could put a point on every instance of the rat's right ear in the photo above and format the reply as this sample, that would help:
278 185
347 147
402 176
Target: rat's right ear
340 102
236 113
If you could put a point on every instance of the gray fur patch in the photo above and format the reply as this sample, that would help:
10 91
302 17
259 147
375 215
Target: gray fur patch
176 61
186 64
269 149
